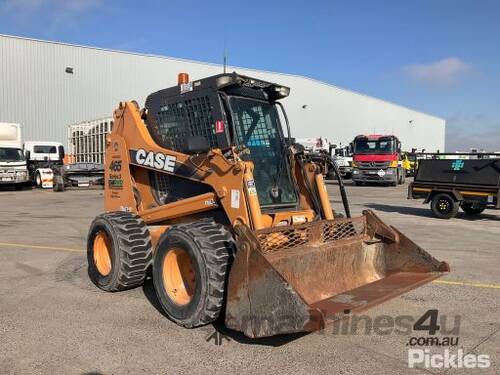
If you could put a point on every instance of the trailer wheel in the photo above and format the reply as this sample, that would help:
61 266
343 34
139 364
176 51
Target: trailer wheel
58 184
190 270
119 251
470 210
444 206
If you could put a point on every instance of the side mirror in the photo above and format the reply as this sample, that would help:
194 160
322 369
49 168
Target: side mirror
197 145
27 154
61 153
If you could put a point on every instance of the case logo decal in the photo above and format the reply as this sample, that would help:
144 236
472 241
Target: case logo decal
155 160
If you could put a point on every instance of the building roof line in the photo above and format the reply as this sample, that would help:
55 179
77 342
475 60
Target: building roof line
220 65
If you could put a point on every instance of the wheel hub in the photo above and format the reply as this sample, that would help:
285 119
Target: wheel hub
102 257
179 276
443 206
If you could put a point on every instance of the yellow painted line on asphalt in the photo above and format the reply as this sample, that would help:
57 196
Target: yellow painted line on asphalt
37 247
53 248
463 283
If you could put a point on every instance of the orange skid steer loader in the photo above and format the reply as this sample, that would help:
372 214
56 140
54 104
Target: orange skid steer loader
205 189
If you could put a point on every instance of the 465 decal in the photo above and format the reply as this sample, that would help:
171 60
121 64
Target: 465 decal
115 166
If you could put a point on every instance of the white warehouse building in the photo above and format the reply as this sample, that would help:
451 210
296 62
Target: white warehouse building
46 86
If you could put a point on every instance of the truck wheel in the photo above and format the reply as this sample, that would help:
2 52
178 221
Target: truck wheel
400 178
470 210
190 270
38 180
444 206
119 251
358 183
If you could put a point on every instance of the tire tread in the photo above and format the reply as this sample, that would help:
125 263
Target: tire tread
134 245
217 248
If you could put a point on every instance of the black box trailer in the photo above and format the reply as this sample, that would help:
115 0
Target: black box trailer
449 184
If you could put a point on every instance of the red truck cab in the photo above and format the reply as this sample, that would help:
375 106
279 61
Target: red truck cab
377 158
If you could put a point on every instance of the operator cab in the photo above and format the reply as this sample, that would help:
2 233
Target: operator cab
223 111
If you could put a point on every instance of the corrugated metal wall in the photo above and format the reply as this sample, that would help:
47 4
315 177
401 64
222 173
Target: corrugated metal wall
36 91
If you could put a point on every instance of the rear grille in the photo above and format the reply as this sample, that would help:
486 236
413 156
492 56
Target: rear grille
180 120
322 232
161 185
373 164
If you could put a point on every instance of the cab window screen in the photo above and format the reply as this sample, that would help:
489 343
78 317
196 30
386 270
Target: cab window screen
257 127
178 120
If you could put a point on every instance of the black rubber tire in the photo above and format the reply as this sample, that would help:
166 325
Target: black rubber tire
131 251
38 180
469 210
444 206
58 184
358 183
331 175
399 178
211 249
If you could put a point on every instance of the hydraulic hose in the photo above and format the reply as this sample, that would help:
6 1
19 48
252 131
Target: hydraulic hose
343 193
314 198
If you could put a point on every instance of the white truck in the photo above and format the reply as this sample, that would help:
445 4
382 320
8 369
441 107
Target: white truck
343 158
314 145
48 171
13 169
42 158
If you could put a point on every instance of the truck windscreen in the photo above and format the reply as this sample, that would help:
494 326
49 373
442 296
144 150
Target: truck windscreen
377 146
45 149
11 154
257 126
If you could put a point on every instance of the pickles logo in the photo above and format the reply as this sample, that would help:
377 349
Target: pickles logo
155 160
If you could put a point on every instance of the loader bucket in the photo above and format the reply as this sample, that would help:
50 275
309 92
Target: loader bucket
300 278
